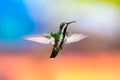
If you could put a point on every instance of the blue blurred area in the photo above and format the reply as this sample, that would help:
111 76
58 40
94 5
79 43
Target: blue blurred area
14 19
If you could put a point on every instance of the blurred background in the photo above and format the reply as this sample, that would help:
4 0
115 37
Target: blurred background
95 58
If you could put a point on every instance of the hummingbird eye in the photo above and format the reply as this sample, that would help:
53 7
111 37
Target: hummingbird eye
62 25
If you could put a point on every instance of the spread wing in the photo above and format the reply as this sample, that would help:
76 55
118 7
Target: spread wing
74 37
41 38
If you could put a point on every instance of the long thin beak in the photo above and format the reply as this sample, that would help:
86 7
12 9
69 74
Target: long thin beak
71 22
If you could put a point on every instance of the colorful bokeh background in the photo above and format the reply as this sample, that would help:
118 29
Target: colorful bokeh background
95 58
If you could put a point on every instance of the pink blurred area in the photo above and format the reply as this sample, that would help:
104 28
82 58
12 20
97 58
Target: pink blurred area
71 66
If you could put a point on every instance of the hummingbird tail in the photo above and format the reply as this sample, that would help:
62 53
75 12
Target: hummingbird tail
54 53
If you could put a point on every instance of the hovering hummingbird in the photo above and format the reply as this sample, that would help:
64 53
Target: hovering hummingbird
58 39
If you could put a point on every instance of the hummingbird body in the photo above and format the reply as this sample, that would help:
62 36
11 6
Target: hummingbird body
58 39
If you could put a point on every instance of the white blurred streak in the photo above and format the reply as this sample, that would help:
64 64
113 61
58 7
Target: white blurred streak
101 18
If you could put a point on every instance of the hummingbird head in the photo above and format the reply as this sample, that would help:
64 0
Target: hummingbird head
65 24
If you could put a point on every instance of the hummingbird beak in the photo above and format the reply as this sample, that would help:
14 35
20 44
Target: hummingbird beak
70 22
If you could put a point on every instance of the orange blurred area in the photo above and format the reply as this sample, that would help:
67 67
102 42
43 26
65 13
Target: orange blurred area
104 66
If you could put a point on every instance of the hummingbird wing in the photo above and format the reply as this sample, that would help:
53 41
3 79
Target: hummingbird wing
45 38
74 37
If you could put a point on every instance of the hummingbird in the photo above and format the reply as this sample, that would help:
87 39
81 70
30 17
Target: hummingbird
58 39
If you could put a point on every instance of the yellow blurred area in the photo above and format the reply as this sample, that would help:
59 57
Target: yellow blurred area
68 67
105 1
